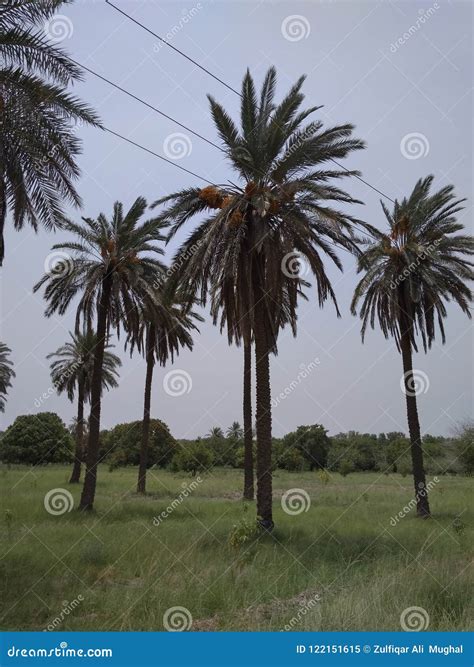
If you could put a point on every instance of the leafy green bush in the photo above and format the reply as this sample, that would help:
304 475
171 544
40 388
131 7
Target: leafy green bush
37 439
396 451
291 459
123 442
345 467
224 449
243 533
311 442
465 448
192 458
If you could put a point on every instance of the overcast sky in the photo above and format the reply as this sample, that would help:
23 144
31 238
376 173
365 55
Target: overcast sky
400 71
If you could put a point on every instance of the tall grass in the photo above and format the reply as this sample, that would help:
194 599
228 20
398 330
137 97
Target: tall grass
129 571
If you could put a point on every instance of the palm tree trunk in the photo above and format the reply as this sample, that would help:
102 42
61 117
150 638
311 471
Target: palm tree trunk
421 492
247 410
3 217
264 409
76 469
90 480
150 362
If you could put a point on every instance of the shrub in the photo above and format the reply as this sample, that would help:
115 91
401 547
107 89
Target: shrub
122 444
292 460
396 452
37 439
192 458
345 467
243 533
465 448
311 442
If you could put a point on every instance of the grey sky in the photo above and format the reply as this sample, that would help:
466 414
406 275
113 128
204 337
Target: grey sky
360 69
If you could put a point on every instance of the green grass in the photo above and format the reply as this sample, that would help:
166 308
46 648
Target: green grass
129 571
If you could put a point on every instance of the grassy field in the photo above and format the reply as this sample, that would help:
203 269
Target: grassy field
340 565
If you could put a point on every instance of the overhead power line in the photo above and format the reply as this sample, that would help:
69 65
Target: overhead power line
147 104
161 157
224 83
181 53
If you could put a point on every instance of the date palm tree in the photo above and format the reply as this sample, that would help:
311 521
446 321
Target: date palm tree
165 328
411 272
215 432
71 372
234 431
38 147
6 374
234 316
114 269
281 208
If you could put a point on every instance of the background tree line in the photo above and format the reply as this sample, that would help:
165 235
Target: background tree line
44 439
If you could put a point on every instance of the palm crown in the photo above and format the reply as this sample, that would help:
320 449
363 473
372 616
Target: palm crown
416 268
282 205
73 364
6 374
37 144
118 250
169 322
